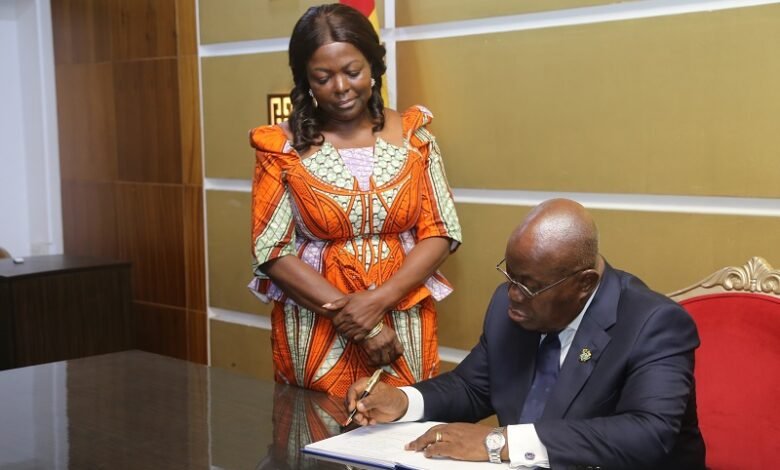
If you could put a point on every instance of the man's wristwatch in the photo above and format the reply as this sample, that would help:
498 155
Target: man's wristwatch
495 442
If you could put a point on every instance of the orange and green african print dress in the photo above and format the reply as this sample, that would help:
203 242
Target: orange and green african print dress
353 215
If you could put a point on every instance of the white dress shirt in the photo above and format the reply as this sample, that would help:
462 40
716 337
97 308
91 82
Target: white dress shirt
522 440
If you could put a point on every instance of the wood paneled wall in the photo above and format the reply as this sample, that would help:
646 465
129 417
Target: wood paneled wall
129 130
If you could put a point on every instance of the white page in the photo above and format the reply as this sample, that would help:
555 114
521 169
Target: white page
383 445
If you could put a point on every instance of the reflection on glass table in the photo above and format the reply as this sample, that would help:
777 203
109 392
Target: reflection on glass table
136 410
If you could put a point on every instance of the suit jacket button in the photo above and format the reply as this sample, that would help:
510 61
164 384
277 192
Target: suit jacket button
529 456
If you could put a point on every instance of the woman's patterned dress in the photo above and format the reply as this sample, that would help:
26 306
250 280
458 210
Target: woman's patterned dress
353 215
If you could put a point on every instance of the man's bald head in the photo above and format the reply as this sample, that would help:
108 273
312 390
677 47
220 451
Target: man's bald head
560 231
554 256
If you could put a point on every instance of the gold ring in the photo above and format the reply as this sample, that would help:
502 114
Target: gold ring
438 436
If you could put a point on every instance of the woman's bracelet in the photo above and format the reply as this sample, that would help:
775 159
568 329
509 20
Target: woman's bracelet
374 331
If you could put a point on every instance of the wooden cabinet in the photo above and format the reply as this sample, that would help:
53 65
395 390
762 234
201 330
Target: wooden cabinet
60 307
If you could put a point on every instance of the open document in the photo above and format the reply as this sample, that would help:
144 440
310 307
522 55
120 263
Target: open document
382 445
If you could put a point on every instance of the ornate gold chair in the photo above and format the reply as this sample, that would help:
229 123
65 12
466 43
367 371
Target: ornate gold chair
737 312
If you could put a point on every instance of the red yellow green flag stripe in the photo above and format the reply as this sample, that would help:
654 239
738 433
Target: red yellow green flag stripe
368 8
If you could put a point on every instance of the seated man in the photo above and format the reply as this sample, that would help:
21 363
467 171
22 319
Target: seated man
584 365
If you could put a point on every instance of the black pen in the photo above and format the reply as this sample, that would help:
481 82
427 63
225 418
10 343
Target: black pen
371 382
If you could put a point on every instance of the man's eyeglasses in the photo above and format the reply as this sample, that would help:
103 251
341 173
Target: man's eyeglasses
528 293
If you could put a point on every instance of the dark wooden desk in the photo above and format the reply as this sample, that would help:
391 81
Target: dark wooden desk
137 410
61 307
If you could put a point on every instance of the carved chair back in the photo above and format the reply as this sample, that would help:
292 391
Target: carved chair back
737 312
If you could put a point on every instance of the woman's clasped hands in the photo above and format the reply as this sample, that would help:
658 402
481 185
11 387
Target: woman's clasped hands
355 315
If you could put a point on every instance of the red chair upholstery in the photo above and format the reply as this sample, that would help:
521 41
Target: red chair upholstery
737 312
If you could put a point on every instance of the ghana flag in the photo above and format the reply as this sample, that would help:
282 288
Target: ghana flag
368 8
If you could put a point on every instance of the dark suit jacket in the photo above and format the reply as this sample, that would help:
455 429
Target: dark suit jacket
631 405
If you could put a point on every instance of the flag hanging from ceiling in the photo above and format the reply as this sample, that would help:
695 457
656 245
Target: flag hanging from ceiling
368 8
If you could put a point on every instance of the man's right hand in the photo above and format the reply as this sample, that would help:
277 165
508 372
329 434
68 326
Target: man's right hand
384 404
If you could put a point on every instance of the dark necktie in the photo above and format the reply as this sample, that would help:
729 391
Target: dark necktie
548 359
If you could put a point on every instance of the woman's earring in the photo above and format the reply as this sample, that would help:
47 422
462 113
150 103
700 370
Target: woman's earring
313 99
373 82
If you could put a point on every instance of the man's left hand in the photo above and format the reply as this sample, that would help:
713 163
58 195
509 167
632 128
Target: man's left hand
460 441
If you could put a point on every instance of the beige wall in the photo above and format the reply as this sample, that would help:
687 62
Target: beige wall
417 12
246 20
234 92
680 106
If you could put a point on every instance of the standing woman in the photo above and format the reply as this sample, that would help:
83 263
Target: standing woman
352 215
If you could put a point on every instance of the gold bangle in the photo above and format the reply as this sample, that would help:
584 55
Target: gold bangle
374 331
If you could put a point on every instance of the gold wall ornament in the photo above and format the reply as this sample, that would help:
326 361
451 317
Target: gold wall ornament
279 107
755 276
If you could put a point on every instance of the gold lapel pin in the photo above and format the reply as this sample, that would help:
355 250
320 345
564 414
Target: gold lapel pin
585 355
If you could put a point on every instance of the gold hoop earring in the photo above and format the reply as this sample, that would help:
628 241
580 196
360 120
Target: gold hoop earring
313 99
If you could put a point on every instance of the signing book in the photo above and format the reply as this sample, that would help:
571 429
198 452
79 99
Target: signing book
382 446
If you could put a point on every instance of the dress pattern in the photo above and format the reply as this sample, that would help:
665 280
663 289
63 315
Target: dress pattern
353 215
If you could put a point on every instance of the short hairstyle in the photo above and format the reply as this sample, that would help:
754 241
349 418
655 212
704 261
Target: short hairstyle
322 25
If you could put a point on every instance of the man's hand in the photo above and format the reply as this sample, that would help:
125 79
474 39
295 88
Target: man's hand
460 441
357 313
385 403
383 348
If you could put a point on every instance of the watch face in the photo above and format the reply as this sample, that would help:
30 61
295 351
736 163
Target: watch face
494 441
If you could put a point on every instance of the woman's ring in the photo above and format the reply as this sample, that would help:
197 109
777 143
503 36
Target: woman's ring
438 436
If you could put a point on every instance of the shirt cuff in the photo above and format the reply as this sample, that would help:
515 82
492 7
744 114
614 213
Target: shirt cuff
525 448
416 408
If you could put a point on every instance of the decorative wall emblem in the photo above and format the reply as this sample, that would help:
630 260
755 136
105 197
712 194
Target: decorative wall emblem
279 107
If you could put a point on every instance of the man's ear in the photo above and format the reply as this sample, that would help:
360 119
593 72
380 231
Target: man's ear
589 280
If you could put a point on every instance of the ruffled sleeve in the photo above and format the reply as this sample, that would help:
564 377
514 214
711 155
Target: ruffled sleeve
273 228
438 217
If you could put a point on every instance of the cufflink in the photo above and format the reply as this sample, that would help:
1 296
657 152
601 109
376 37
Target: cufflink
585 355
529 456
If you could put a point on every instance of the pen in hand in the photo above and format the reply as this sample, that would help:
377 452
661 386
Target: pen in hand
371 382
